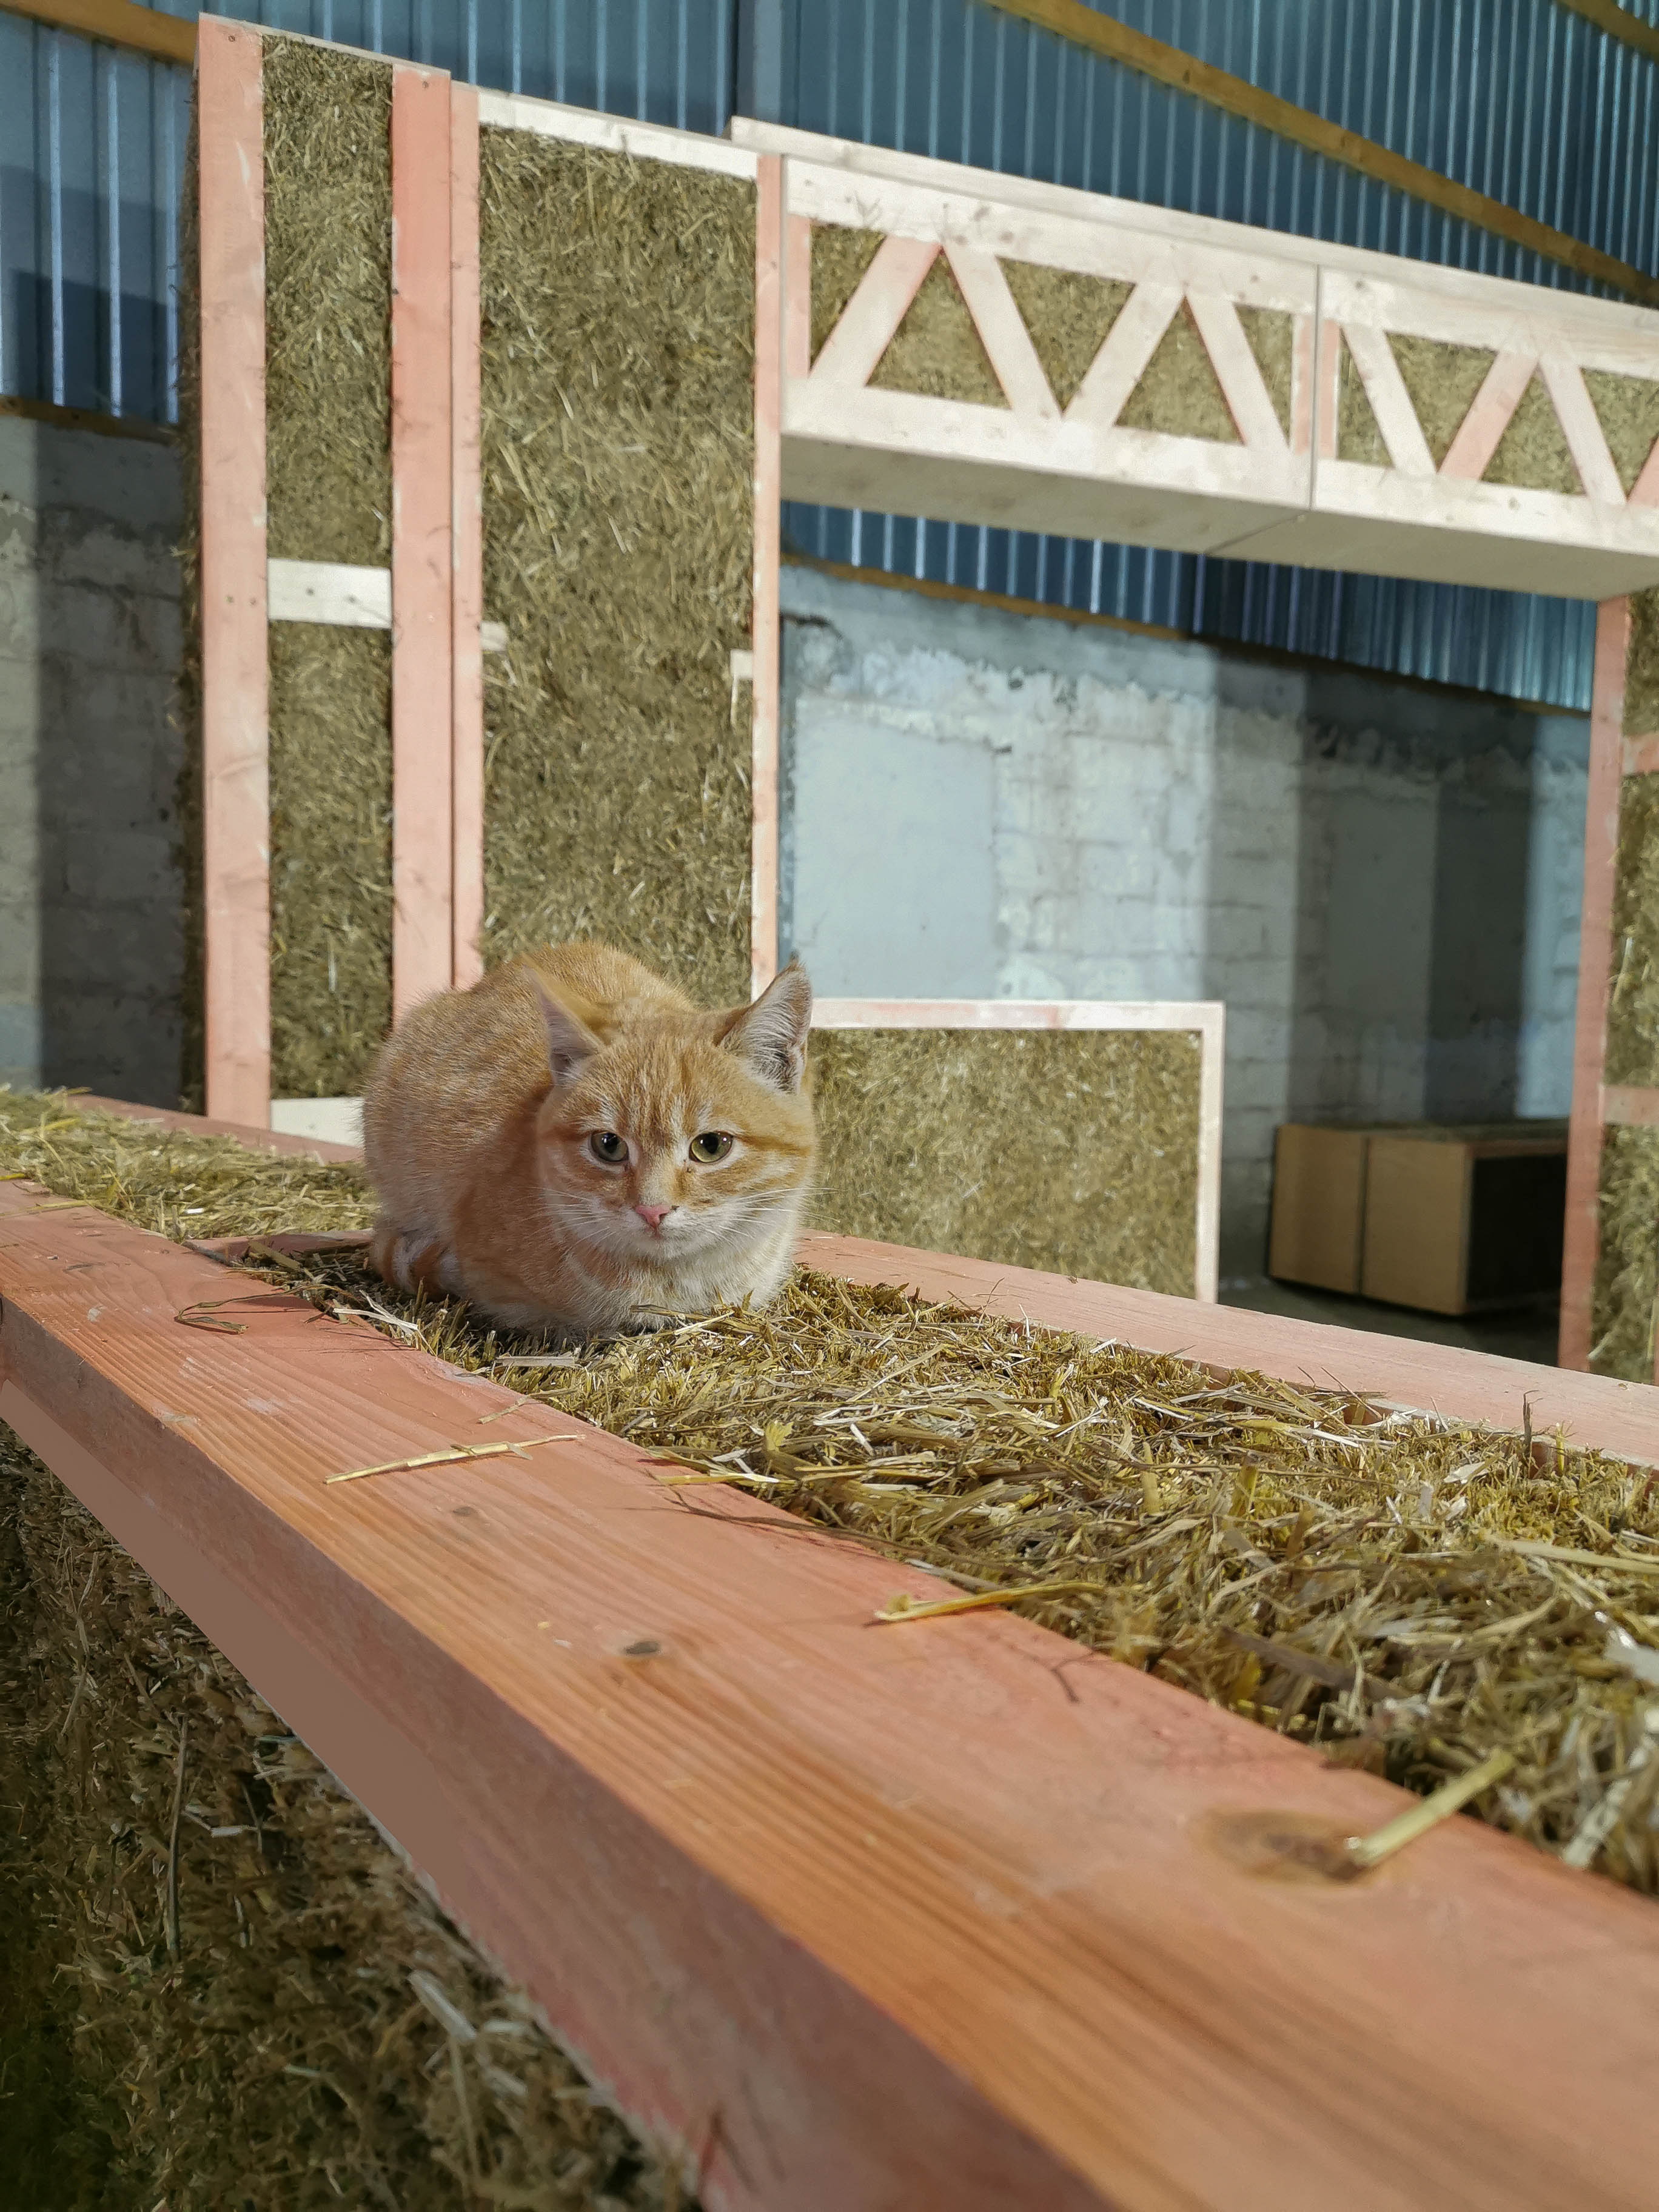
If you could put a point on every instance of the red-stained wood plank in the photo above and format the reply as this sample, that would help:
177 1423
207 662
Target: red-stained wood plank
765 624
1582 1240
1593 1410
423 477
468 739
866 1917
235 746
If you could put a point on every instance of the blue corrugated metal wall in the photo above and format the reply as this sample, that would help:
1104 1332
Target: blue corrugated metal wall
1521 99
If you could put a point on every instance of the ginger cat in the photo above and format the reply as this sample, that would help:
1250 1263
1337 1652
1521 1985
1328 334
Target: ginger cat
571 1145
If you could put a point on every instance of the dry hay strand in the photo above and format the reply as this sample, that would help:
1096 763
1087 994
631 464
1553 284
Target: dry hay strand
1642 667
1533 452
936 351
1076 1152
840 258
241 1996
1069 317
1628 409
618 461
1178 391
328 304
1627 1258
1632 1053
1272 336
1346 1574
330 857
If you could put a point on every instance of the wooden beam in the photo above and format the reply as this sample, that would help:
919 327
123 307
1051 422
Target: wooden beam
1630 1106
235 738
1582 1243
765 640
849 1918
1084 25
118 23
422 612
1618 23
81 418
467 803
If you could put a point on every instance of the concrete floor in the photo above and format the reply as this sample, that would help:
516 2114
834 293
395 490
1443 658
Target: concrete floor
1520 1333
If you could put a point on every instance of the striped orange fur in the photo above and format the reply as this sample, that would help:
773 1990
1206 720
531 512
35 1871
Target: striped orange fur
572 1146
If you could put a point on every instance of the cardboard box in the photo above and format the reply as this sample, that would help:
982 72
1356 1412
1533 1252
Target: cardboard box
1446 1219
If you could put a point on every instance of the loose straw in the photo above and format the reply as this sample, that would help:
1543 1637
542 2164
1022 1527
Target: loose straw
904 1608
446 1458
1367 1851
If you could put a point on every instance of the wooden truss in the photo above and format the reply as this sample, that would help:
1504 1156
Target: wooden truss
1282 491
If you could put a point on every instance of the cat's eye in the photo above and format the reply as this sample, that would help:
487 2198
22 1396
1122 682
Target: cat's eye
606 1145
710 1146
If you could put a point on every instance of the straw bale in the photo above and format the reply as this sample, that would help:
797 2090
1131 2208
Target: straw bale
1075 1151
1358 434
328 410
328 304
1178 391
1632 1054
330 857
1533 451
1069 317
1642 667
1272 335
936 351
840 257
1628 407
276 2039
1441 381
1339 1571
1627 1263
618 462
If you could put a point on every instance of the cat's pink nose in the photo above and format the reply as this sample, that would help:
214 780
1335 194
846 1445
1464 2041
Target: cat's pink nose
654 1214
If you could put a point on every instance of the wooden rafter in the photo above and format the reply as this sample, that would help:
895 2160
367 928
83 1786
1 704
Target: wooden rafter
118 23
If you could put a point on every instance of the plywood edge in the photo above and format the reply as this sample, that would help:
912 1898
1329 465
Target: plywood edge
918 1927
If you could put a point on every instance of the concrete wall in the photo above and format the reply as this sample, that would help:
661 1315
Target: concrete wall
89 928
1381 880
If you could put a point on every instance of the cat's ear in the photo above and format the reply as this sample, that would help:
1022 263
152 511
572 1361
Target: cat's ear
771 1035
569 1041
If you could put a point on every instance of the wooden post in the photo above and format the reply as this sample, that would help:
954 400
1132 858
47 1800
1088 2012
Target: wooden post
765 634
467 803
422 473
1582 1242
235 737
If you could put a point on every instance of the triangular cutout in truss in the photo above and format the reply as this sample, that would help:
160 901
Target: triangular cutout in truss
1359 436
840 258
1179 392
1441 382
1628 409
1069 317
1533 454
936 351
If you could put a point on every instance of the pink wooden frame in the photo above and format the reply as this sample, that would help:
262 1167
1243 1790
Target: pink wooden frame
467 755
235 755
423 576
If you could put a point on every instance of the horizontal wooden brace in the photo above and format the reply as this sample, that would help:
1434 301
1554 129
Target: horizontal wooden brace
1629 1106
333 592
915 1925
